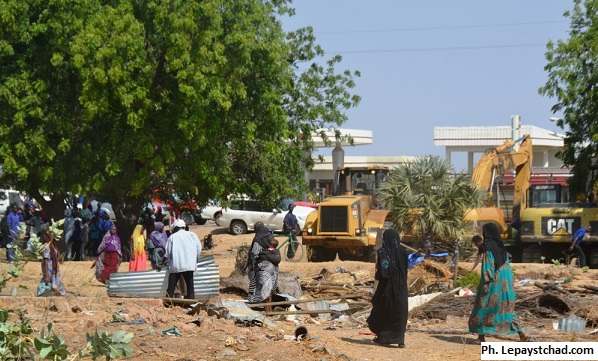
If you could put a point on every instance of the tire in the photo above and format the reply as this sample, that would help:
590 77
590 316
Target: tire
217 216
298 252
370 254
199 220
531 254
187 218
238 227
320 254
365 254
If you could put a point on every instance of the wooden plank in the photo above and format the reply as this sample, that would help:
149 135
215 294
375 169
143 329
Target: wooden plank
314 312
280 303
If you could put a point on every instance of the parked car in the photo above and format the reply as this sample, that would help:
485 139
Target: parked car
211 211
242 215
8 197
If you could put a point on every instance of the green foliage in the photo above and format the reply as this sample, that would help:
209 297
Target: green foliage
572 80
15 269
111 347
17 342
470 279
119 97
15 338
426 199
51 346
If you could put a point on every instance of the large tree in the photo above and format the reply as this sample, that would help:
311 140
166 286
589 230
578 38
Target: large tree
572 67
116 98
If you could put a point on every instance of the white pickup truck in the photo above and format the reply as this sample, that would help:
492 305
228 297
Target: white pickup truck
8 197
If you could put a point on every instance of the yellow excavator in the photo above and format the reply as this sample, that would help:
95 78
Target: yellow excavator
538 232
510 156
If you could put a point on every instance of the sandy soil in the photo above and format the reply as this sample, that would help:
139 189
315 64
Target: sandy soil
425 340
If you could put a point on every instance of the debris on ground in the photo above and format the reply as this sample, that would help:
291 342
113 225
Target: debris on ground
172 331
288 283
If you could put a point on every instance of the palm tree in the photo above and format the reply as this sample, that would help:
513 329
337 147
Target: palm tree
427 200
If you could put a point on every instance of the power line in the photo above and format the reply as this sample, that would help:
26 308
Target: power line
440 49
442 27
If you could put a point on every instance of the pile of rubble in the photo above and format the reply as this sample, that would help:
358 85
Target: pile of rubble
537 301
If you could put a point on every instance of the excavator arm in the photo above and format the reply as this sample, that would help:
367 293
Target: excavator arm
504 158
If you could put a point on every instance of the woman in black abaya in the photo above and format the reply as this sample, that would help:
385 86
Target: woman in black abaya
388 319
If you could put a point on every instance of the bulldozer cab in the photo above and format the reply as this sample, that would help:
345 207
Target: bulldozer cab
361 181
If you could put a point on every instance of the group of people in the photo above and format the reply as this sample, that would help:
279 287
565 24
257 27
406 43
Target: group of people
84 230
178 251
89 234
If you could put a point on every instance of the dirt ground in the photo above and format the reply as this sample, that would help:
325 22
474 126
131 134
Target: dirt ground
433 340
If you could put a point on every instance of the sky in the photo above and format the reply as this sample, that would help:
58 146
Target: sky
410 82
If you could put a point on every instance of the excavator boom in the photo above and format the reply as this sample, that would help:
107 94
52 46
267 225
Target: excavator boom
504 158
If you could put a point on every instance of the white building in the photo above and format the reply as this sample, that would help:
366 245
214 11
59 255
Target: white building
472 140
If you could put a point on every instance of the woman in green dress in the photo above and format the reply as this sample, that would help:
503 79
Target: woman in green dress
494 309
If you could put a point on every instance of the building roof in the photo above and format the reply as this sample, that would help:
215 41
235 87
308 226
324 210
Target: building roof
493 136
364 161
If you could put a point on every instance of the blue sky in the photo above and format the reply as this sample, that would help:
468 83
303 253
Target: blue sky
406 93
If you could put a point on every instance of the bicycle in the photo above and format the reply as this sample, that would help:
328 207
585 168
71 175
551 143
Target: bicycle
291 249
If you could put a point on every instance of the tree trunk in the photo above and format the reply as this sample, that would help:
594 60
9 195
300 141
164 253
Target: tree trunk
127 215
54 209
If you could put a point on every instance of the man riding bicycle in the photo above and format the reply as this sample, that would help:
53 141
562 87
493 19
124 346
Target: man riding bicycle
290 226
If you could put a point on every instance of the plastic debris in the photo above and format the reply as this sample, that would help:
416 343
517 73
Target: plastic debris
173 331
465 292
572 324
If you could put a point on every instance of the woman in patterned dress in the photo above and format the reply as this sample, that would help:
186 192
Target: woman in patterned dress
494 308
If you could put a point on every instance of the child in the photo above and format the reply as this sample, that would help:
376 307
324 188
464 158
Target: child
270 254
50 283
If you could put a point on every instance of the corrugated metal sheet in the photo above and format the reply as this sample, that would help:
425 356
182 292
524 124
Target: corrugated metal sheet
153 284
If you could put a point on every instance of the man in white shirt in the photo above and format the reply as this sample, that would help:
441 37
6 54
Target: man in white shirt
182 251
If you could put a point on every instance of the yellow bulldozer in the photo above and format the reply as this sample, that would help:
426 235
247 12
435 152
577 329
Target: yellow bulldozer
350 222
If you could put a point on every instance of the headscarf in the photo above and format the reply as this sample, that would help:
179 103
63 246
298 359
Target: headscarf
391 248
111 242
138 238
158 236
262 235
493 243
261 231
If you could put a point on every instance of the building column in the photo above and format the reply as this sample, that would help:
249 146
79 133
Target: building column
546 162
447 155
469 162
338 163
